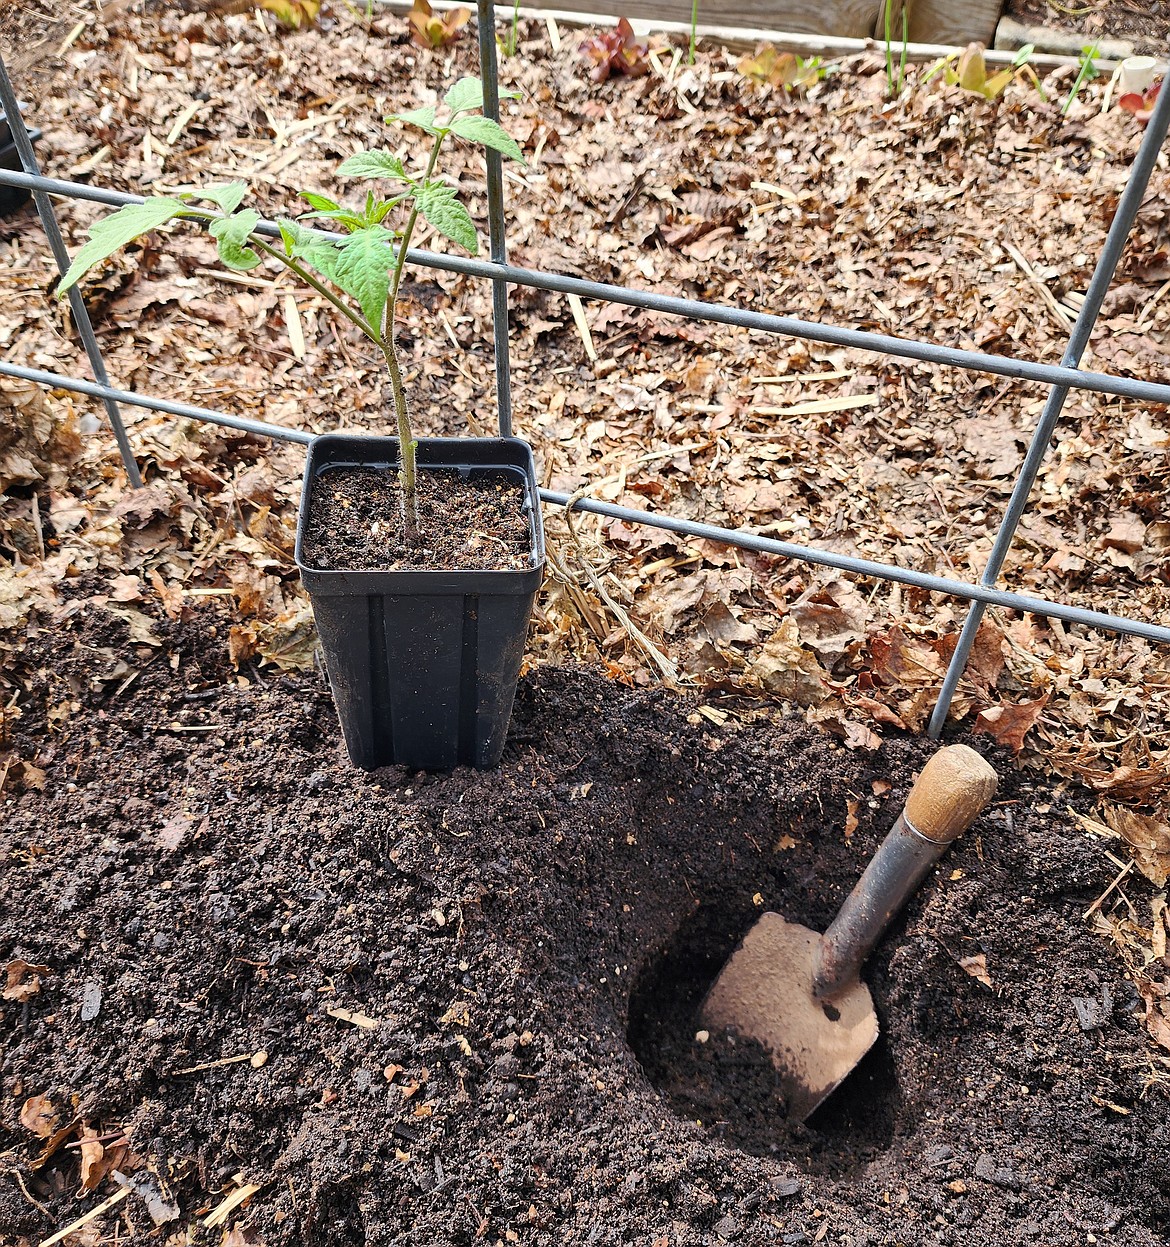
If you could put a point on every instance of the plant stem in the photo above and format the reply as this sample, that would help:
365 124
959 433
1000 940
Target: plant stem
303 273
404 244
694 23
905 45
1086 72
409 469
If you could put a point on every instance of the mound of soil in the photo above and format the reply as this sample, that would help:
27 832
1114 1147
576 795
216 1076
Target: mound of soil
475 990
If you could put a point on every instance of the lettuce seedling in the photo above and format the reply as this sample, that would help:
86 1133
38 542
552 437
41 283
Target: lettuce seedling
358 271
971 72
770 67
616 51
435 30
1140 103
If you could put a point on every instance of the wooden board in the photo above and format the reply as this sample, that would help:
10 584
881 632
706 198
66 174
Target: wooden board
852 18
953 22
957 22
744 38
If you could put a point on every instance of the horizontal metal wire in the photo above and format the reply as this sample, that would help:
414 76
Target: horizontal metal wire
867 567
242 423
693 309
687 528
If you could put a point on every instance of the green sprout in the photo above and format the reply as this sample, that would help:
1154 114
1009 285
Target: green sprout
358 272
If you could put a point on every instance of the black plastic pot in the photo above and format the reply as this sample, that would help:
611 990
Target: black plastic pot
423 664
11 197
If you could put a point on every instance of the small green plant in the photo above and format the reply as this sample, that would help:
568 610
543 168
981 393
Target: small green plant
616 51
769 67
1141 103
435 30
291 14
694 24
896 78
971 72
1086 72
510 44
358 272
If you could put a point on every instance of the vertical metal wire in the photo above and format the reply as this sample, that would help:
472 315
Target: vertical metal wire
1115 240
52 230
497 240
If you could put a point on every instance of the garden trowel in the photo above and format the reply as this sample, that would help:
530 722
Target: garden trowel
797 993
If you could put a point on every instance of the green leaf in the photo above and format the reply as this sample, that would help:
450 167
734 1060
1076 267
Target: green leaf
467 94
374 164
383 209
113 232
303 244
331 211
439 204
231 238
227 197
362 269
423 118
488 133
320 202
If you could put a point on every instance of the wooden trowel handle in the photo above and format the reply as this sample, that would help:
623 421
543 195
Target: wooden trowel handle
947 797
950 793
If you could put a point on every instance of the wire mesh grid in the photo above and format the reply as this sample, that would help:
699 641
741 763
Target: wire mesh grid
1061 379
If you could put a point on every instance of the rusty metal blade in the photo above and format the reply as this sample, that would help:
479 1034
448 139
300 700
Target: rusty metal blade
765 993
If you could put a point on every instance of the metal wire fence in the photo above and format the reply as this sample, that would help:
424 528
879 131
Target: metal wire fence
1061 379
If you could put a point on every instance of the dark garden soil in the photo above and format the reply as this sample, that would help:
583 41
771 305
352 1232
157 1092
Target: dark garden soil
467 986
466 523
1145 23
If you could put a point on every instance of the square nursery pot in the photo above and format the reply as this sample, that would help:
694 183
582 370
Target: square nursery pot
11 197
423 664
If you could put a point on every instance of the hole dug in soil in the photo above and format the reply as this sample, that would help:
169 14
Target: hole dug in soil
730 1086
201 894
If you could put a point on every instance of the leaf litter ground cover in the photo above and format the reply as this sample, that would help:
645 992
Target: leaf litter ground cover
937 215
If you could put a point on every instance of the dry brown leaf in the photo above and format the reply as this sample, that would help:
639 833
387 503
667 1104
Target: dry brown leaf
851 819
1008 724
170 595
141 626
788 669
1157 1012
904 661
976 967
1148 838
241 1236
92 1155
23 980
98 1160
986 662
832 619
290 640
125 588
38 1115
858 736
1129 782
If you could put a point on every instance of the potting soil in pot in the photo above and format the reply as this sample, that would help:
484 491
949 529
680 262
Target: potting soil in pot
466 522
456 1010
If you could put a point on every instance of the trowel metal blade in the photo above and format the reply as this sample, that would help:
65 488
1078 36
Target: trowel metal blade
765 993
